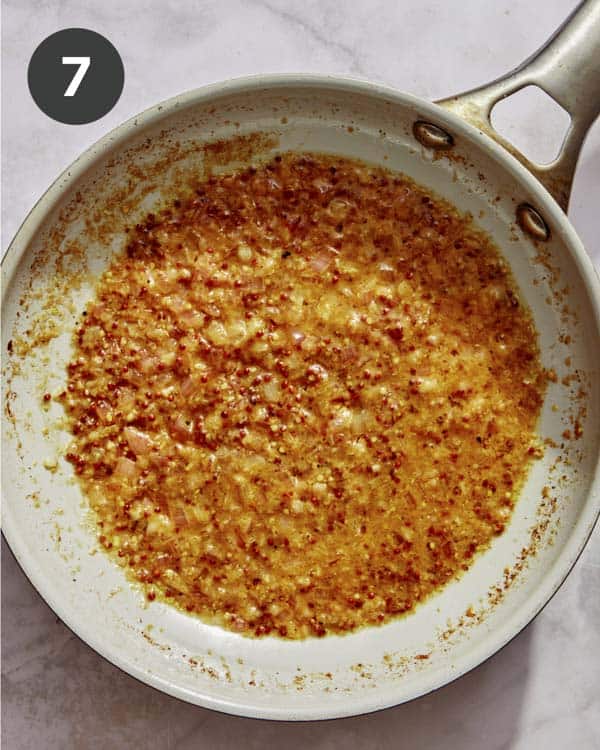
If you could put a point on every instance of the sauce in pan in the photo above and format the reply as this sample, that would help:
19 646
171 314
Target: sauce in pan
303 400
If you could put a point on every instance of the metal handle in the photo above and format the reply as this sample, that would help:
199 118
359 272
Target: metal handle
567 68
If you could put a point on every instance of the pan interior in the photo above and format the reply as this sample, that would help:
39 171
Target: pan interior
48 277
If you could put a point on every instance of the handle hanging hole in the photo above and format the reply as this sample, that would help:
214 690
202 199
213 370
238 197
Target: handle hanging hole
533 122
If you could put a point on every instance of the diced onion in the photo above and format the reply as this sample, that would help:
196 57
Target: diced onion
125 468
138 441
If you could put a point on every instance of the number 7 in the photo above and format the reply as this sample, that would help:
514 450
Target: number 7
84 64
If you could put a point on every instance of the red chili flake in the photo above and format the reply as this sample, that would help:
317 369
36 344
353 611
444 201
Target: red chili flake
396 333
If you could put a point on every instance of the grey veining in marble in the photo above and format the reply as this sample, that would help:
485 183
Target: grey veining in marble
542 690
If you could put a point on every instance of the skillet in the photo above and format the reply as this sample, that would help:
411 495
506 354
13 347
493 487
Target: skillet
449 147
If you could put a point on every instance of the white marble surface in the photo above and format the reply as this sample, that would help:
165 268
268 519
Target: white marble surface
542 689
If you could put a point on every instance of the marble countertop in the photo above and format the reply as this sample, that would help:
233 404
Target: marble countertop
542 689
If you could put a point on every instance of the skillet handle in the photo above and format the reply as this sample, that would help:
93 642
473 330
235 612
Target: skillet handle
567 68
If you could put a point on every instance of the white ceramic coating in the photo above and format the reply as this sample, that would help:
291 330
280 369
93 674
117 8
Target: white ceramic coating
376 667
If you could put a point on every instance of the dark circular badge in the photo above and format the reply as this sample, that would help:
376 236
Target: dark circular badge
76 76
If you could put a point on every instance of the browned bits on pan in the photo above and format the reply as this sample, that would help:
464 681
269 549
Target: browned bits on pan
304 399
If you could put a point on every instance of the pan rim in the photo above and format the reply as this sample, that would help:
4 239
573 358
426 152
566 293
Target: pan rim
580 532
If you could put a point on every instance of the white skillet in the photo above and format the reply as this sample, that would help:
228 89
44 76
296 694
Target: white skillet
518 203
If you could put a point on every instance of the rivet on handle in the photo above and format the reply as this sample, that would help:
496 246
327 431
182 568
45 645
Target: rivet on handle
531 221
432 136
